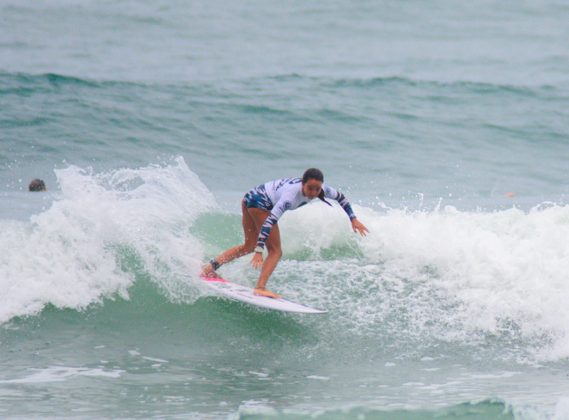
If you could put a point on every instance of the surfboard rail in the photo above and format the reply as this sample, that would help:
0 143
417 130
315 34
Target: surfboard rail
235 291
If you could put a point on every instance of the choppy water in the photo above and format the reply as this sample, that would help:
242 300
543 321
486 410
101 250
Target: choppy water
445 124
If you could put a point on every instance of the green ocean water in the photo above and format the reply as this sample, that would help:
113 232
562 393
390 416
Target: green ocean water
445 124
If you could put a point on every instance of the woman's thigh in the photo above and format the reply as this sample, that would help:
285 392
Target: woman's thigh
259 216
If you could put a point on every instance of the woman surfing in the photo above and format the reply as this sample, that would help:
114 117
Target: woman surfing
262 207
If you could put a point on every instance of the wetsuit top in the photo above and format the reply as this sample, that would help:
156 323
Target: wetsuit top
286 194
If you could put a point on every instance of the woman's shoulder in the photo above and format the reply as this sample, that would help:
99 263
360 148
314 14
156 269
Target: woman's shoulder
328 190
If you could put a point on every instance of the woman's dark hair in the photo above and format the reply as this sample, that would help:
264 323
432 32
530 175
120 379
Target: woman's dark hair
313 173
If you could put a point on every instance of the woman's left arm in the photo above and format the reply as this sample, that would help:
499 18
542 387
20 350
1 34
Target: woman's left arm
357 226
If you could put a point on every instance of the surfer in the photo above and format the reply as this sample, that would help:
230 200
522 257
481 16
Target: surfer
262 207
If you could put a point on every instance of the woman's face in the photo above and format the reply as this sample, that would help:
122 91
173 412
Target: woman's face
311 188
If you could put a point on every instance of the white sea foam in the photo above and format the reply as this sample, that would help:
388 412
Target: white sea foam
501 272
562 409
67 255
62 373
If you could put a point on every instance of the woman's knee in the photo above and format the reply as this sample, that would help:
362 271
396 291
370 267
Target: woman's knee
277 252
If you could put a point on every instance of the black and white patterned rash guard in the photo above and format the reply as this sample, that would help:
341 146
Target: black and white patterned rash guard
286 194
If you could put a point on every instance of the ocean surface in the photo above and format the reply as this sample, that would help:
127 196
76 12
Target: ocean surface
446 124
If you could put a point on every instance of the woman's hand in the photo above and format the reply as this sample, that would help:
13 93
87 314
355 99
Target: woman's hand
257 260
359 227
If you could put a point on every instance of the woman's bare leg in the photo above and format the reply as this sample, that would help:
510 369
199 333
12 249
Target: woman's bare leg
273 258
273 245
252 220
250 232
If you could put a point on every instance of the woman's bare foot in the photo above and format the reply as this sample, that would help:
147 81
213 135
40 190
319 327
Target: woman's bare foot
264 292
208 271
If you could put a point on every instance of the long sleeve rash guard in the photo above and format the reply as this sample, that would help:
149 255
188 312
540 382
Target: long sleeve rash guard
286 194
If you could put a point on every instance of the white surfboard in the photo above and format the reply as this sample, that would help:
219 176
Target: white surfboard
245 294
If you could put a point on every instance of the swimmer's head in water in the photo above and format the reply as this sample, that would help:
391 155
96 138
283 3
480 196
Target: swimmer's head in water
37 185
